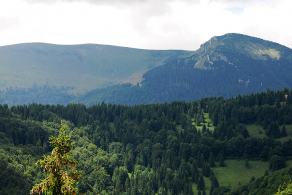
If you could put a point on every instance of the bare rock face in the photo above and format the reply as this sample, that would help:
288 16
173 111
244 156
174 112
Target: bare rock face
220 48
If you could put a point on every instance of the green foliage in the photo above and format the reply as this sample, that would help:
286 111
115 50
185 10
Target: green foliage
94 165
11 182
267 184
60 167
202 122
236 174
150 149
276 163
285 190
256 131
201 183
214 184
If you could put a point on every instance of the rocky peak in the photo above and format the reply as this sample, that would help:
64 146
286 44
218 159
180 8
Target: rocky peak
220 48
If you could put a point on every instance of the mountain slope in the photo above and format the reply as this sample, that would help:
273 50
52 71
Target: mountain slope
80 67
225 66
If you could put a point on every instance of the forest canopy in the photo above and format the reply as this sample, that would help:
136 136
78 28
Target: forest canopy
175 148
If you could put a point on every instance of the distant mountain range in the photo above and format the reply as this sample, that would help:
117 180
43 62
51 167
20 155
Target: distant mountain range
225 66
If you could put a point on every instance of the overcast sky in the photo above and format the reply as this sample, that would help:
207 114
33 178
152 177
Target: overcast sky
154 24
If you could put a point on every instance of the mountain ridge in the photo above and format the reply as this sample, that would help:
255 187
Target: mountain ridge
99 64
88 44
225 65
217 71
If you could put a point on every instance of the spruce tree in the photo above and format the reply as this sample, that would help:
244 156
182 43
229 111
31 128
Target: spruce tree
201 183
60 167
214 183
211 160
221 159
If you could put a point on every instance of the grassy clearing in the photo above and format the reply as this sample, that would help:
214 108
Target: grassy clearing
284 139
206 121
256 131
236 174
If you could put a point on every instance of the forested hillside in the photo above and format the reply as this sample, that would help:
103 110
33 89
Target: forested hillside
227 65
213 146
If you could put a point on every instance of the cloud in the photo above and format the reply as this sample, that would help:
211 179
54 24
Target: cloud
8 23
156 24
107 2
129 2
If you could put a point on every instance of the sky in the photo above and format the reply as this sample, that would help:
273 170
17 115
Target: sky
149 24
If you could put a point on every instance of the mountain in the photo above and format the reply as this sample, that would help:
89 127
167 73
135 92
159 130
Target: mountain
47 73
225 66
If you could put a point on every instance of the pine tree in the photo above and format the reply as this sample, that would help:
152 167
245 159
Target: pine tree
221 159
206 169
276 162
214 183
211 160
195 172
283 131
247 164
201 183
60 167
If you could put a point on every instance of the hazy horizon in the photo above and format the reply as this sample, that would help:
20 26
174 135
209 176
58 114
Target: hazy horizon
123 46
